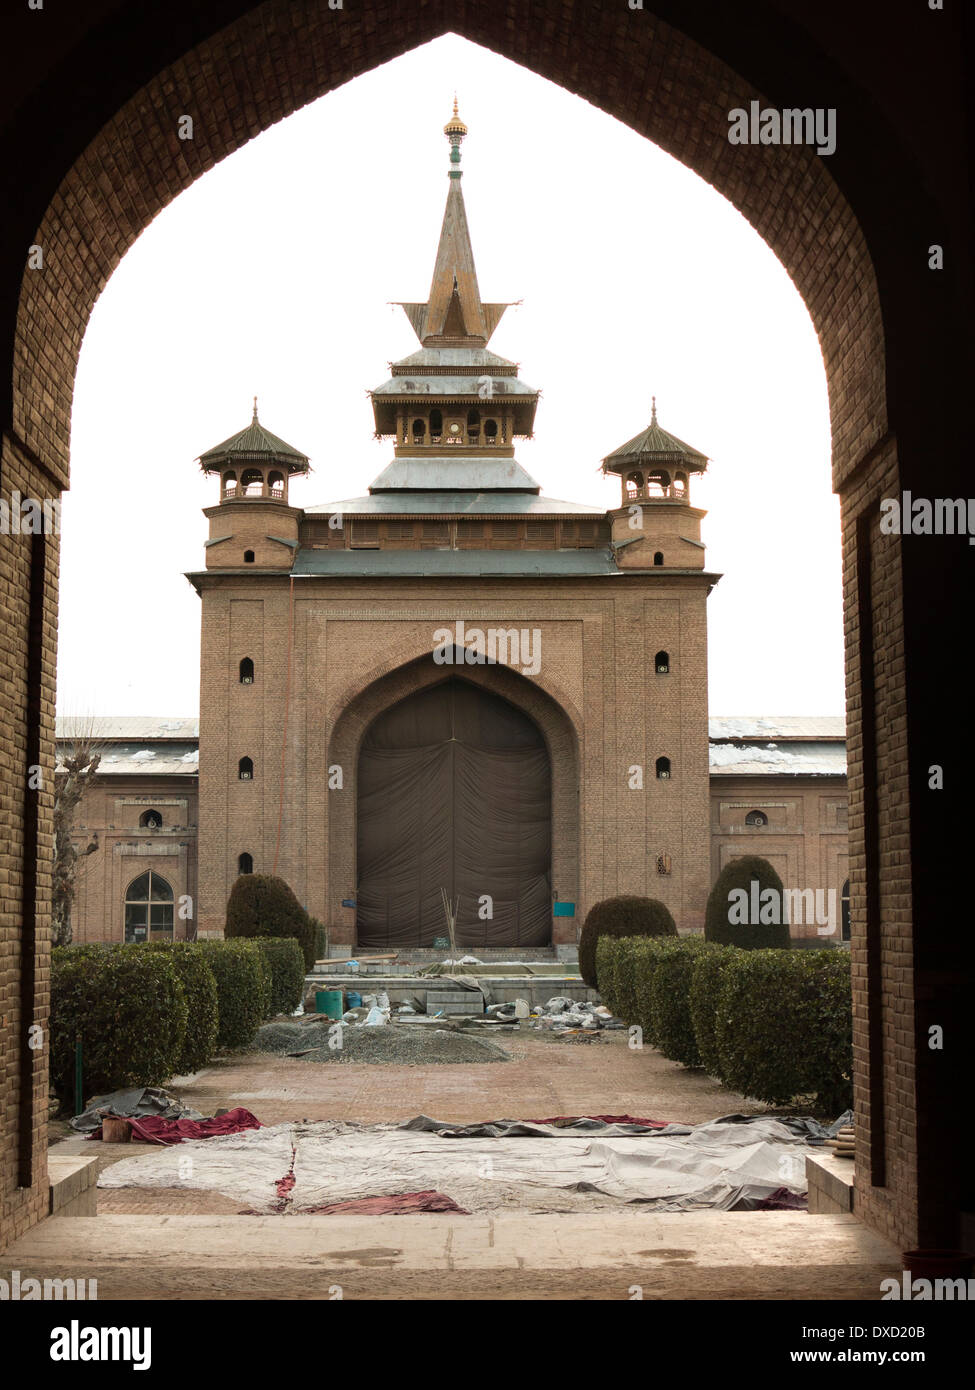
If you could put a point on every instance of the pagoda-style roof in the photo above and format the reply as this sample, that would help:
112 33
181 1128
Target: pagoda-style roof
453 387
254 442
655 445
470 474
457 361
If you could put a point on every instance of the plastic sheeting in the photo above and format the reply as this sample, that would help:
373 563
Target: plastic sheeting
722 1165
137 1102
454 792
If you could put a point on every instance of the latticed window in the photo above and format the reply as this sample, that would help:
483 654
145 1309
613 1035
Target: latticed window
148 909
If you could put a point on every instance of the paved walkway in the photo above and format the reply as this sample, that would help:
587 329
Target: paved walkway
545 1078
174 1244
706 1255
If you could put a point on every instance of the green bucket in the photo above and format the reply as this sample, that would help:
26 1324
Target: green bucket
329 1001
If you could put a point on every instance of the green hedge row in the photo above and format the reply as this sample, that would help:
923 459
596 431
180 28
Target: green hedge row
770 1024
243 979
128 1007
147 1012
287 965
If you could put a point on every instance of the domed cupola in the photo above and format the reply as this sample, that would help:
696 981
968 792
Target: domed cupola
655 526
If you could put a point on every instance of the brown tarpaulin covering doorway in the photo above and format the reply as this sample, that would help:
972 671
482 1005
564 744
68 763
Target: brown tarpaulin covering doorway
454 791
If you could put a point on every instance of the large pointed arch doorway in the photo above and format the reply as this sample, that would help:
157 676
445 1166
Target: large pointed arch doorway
454 791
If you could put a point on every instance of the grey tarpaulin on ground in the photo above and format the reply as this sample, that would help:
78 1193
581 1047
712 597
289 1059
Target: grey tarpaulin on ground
735 1163
138 1101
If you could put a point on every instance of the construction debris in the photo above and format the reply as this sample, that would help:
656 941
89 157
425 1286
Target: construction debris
564 1015
404 1046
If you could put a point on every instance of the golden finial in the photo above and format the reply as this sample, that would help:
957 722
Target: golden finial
255 411
455 127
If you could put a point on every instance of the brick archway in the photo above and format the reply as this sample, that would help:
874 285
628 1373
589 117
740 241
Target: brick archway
557 727
95 160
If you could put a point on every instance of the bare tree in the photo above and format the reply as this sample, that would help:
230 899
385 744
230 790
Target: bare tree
75 766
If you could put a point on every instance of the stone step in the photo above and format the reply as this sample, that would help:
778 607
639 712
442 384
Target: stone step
684 1255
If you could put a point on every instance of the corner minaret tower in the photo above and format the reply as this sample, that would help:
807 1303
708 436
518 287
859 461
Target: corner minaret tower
253 523
655 525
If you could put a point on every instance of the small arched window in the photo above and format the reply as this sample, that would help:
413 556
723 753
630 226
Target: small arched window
252 482
436 424
473 425
756 818
151 820
490 431
658 482
661 663
419 431
148 909
246 671
229 484
634 485
275 482
245 769
245 864
658 557
680 483
663 768
248 557
845 911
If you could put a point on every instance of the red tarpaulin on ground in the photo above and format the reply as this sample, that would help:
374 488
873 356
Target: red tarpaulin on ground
152 1129
402 1204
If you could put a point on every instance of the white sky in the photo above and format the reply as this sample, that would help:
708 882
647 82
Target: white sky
272 276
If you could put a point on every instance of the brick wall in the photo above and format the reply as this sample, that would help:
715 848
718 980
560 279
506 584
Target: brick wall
356 647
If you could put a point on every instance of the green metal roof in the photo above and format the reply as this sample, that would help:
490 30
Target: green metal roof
469 563
454 501
654 444
253 441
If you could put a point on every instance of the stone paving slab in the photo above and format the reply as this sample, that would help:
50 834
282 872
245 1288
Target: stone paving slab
757 1255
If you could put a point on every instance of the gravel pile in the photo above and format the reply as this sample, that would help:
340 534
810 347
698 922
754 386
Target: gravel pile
403 1046
291 1037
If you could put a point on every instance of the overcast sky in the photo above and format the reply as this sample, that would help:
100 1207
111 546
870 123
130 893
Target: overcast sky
272 276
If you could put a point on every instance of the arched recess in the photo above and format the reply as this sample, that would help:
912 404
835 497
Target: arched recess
552 719
453 796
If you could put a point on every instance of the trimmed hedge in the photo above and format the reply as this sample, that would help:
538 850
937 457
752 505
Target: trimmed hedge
618 917
287 966
635 959
769 1024
607 954
672 1027
129 1008
243 980
783 1026
721 922
261 905
702 1002
203 1021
